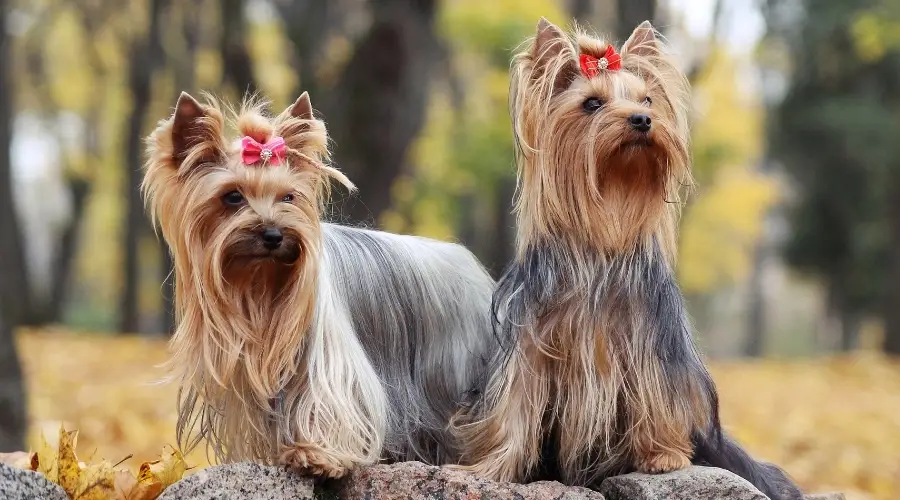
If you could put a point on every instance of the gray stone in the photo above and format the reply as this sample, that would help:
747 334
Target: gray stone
21 484
417 481
825 496
241 481
692 483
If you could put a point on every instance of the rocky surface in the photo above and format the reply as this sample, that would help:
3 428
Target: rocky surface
21 484
417 481
245 481
410 481
685 484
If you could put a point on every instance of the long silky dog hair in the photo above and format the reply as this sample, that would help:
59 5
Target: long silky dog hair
302 342
598 373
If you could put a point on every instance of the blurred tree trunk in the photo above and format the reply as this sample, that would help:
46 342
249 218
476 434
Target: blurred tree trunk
237 67
14 286
145 57
61 271
632 13
503 234
843 336
13 421
185 63
892 302
79 186
378 105
581 10
756 318
850 325
307 26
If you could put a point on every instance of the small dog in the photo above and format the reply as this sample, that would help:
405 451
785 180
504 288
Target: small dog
598 373
301 342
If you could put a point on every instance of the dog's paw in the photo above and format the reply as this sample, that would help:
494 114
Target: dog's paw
312 460
659 463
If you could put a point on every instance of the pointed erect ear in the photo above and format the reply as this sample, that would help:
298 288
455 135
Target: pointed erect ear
642 41
302 108
187 127
550 43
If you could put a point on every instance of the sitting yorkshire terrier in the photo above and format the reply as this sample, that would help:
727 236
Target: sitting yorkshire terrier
301 342
598 374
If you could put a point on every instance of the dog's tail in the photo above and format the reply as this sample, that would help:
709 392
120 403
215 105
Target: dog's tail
718 450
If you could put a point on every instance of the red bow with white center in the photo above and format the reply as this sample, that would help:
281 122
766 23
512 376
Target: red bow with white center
271 152
591 65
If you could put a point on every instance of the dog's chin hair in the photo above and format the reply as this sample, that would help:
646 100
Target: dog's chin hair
267 379
235 346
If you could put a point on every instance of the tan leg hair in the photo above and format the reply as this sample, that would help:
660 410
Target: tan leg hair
505 444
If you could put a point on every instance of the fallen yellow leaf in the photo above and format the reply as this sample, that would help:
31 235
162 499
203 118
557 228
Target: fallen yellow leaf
127 487
67 462
96 482
47 461
165 471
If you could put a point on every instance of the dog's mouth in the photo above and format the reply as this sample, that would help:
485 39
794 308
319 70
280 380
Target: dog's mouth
637 142
253 250
284 254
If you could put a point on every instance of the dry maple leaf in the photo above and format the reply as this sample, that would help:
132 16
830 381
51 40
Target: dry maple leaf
99 481
46 461
67 463
127 487
165 471
96 482
61 466
153 477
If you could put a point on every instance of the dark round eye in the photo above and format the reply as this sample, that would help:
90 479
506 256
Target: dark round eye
288 198
592 104
233 199
648 101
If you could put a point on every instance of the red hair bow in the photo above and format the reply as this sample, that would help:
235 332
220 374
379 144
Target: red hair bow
591 65
271 152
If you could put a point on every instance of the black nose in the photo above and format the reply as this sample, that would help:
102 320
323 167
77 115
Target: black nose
640 122
272 237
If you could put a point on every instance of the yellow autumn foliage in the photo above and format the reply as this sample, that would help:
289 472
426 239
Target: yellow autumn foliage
831 422
98 480
724 220
876 31
465 151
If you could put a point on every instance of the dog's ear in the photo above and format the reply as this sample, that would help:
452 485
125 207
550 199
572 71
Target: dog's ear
293 124
194 125
302 108
553 55
187 126
643 41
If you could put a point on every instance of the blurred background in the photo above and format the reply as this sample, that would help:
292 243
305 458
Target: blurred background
790 248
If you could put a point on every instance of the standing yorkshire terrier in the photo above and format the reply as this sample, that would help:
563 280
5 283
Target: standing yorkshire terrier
598 374
300 342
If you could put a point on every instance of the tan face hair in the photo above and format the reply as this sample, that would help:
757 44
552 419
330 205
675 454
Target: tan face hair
242 216
601 160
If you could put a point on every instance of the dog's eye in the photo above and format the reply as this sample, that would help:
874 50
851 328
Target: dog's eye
233 199
288 198
592 104
648 101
